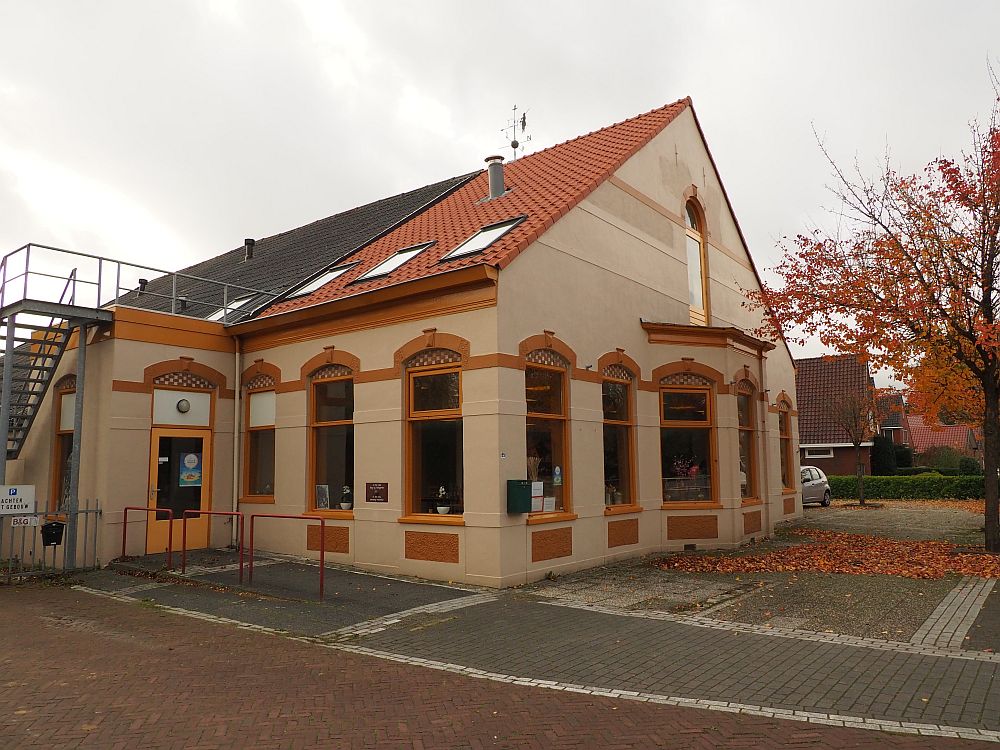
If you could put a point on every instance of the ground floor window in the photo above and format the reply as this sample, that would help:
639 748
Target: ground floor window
436 457
64 456
334 471
261 464
686 460
546 459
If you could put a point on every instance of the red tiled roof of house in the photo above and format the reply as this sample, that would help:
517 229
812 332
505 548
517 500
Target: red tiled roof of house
924 436
817 380
543 187
890 410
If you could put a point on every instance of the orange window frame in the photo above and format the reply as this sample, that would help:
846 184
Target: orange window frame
563 419
699 316
785 439
315 424
248 497
707 423
436 415
57 477
629 425
752 484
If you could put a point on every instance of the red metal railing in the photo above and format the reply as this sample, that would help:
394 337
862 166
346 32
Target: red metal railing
322 541
170 528
184 530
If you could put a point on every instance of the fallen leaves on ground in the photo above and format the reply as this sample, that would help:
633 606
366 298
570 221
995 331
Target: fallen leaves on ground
971 506
854 554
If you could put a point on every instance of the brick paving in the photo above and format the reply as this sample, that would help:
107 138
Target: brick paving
949 624
80 671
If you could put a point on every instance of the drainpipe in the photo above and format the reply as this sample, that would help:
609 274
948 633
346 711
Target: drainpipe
237 447
69 549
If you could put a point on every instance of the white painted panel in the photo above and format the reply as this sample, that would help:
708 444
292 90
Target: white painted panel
165 408
262 409
67 409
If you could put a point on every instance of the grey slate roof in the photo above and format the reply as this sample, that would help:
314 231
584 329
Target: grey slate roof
284 260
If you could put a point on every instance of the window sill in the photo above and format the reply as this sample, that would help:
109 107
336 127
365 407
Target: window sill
616 510
439 519
335 514
751 501
535 519
678 505
258 499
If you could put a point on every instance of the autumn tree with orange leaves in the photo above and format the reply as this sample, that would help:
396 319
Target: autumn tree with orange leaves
911 280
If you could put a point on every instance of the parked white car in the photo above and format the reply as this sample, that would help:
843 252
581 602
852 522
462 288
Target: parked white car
815 487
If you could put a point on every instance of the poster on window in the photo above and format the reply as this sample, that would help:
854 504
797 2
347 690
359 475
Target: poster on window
322 497
190 474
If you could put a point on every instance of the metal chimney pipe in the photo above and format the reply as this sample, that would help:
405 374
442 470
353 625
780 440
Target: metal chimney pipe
495 169
248 249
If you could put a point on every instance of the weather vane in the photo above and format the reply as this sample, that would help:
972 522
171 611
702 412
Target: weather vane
514 126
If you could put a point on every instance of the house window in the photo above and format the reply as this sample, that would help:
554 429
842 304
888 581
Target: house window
259 475
308 287
696 265
687 439
332 437
785 440
547 454
616 395
483 239
393 262
63 446
435 438
747 440
819 452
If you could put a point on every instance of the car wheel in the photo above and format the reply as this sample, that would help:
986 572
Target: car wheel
826 499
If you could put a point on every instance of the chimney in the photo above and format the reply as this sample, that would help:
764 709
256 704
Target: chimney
248 249
495 169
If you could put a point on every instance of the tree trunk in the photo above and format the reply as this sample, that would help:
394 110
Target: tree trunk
991 463
859 471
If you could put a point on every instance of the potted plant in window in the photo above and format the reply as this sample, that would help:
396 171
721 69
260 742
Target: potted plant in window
443 505
346 501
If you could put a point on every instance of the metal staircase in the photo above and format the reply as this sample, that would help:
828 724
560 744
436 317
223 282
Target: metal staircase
37 349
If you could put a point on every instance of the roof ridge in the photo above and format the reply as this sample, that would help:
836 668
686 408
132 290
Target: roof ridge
656 110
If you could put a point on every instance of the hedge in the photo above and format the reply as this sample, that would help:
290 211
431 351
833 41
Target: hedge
928 487
910 471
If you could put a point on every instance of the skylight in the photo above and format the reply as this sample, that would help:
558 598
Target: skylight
233 307
393 262
483 238
322 280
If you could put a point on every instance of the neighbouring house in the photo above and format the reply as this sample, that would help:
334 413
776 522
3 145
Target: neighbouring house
824 384
924 436
892 417
537 367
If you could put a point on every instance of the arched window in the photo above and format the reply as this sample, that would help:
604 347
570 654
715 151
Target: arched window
546 394
434 433
747 439
785 440
331 431
696 265
258 475
687 438
65 406
616 396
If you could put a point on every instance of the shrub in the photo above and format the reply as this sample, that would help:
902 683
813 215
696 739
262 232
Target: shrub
904 456
926 487
883 456
912 471
941 457
969 465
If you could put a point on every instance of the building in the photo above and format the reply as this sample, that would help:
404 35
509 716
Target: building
535 368
829 388
925 436
892 418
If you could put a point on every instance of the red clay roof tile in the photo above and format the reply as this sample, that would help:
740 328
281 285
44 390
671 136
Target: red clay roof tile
543 187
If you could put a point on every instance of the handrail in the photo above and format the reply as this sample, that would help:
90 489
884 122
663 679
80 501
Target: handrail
184 518
322 542
170 528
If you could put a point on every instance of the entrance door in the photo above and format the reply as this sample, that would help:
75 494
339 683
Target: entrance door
179 480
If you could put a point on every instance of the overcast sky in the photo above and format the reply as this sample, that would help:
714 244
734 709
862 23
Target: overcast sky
166 132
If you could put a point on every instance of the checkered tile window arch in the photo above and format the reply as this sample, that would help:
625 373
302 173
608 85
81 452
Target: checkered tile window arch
685 378
183 380
620 372
433 357
260 381
332 371
548 357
